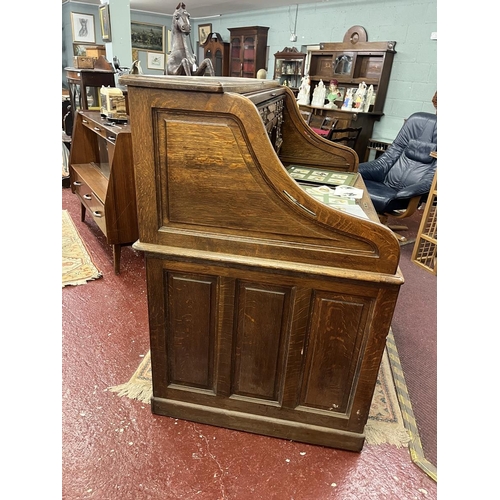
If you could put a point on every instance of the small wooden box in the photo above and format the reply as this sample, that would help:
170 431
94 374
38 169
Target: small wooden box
84 62
95 51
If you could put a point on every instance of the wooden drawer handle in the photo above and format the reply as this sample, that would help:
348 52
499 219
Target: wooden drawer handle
97 214
111 138
87 197
84 121
97 128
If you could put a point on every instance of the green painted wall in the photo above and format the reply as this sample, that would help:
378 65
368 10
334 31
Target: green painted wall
408 22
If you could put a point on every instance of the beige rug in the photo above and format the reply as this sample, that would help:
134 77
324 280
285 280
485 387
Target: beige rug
385 422
77 265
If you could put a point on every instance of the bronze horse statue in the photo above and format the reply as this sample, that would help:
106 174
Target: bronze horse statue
181 60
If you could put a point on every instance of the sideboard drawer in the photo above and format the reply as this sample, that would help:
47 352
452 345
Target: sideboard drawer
91 201
100 130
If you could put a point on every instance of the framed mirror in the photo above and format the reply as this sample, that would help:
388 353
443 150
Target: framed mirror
343 64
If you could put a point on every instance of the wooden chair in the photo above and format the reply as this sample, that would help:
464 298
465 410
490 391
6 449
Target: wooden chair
326 127
347 136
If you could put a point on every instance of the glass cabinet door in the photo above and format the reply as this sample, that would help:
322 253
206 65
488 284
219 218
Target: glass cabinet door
288 72
249 57
236 63
289 67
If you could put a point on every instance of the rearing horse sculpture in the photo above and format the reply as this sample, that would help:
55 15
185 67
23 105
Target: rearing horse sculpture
181 60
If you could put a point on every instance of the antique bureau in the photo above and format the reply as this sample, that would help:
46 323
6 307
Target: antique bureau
268 310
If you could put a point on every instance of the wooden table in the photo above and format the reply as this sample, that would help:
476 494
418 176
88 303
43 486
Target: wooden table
81 80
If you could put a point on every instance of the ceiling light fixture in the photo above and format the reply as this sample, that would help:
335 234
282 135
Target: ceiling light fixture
206 17
293 33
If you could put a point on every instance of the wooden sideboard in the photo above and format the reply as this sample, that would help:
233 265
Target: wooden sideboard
351 62
102 176
268 310
346 119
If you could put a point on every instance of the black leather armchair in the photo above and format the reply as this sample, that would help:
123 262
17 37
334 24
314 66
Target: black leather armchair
399 180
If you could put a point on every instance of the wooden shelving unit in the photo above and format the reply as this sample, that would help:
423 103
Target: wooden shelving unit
289 67
102 176
425 249
350 62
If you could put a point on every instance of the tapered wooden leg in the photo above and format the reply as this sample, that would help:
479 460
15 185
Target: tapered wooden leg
82 213
117 252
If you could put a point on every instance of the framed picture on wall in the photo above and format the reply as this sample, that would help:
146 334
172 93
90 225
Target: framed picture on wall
156 60
82 27
105 22
79 50
147 36
203 31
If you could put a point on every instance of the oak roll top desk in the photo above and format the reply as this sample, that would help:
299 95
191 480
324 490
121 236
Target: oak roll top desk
268 310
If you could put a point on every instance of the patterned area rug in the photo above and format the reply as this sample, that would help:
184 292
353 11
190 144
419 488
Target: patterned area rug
77 265
385 422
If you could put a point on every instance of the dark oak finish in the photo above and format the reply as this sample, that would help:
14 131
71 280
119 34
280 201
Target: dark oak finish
217 51
102 176
371 62
268 310
82 81
289 67
346 119
248 48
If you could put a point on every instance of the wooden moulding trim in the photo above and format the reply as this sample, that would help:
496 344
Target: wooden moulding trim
217 258
285 429
213 84
360 46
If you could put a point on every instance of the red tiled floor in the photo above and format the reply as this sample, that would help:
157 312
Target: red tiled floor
115 448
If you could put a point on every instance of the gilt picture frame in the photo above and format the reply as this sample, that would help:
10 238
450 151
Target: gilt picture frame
82 27
146 36
203 31
105 22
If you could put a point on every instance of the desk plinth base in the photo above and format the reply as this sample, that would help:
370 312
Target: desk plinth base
295 431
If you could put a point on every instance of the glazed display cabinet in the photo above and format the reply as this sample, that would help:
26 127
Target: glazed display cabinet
248 48
289 67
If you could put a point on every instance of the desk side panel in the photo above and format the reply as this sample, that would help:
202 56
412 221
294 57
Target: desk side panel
208 178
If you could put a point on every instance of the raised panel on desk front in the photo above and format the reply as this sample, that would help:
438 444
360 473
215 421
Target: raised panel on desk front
190 330
337 330
261 321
